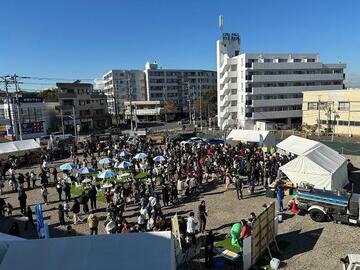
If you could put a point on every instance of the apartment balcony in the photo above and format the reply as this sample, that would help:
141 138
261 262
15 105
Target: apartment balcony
276 102
294 65
297 77
67 95
275 115
227 76
292 89
226 88
227 99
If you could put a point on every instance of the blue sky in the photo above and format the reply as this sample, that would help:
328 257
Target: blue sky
84 39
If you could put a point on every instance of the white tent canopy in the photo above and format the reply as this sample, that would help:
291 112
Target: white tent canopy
253 136
15 147
137 251
321 166
297 145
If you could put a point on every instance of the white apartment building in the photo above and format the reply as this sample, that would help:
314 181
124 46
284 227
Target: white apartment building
267 87
117 87
178 85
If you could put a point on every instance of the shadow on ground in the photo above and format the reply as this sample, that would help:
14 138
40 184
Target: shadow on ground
307 239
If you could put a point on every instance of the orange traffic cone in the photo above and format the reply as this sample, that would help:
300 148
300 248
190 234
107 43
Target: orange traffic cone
294 208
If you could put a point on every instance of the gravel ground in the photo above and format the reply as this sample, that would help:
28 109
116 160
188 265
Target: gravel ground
312 245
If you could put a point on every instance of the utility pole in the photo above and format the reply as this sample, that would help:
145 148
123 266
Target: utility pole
116 112
75 132
201 125
164 100
9 104
189 102
62 123
193 108
130 99
318 116
18 105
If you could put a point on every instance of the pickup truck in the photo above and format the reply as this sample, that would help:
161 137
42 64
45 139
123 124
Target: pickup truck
329 205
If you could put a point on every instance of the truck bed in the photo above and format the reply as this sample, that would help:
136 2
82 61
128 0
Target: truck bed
322 196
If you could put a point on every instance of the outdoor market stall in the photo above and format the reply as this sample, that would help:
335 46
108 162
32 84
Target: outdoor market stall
296 145
18 148
263 138
320 166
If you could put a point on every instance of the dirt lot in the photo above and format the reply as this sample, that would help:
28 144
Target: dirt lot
312 245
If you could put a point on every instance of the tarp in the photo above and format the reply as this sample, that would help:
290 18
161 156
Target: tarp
297 145
4 243
266 138
321 166
11 148
136 251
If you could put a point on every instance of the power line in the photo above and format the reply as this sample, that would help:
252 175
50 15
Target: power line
52 79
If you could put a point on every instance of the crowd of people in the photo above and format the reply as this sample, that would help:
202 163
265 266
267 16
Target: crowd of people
184 172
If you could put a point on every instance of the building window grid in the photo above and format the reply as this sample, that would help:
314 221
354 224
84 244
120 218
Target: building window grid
344 106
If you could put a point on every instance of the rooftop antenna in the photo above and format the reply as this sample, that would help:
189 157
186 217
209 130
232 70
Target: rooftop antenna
221 23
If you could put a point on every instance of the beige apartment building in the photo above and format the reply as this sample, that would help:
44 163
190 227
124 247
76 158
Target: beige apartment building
337 110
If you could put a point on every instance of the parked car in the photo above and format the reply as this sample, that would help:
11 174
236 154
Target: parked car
214 141
193 140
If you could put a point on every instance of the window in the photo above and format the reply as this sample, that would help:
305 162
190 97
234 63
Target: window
312 106
311 60
282 60
297 60
344 106
233 103
267 60
233 91
233 68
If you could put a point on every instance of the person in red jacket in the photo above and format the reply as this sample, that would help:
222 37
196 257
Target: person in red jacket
245 229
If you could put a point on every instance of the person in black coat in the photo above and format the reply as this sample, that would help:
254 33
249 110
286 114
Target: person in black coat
84 199
76 210
165 195
55 173
30 219
22 200
67 191
202 216
209 246
59 190
61 214
92 195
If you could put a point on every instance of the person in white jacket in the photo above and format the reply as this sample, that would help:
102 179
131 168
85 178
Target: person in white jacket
190 227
